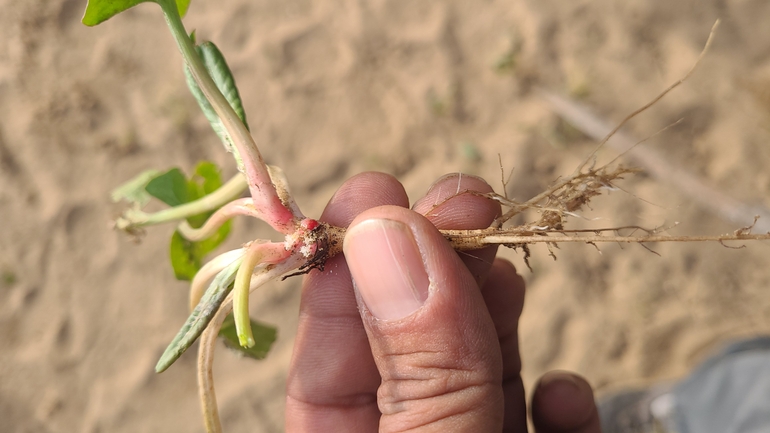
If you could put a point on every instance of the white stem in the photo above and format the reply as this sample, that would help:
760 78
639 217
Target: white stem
210 270
208 338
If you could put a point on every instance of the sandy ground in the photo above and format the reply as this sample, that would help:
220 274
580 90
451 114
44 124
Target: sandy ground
416 89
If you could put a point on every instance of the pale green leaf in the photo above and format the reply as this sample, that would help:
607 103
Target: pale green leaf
215 64
200 317
134 191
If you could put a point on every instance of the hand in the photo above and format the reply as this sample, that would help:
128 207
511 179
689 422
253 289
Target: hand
428 339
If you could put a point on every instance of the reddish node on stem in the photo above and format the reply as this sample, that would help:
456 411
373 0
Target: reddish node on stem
309 224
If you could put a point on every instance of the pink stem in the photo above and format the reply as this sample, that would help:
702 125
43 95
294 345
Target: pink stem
269 206
241 206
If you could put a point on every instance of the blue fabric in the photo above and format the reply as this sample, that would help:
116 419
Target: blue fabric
729 393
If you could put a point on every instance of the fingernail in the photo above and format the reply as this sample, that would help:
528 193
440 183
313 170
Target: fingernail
387 268
560 379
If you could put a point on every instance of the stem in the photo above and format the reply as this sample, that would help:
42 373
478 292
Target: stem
206 391
210 270
208 338
267 253
284 193
241 296
262 190
241 206
134 219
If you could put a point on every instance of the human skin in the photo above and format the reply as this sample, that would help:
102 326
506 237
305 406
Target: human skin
425 340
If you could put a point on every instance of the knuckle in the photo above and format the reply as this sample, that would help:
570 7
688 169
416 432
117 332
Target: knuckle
422 388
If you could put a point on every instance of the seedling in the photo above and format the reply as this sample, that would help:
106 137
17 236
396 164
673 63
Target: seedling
202 206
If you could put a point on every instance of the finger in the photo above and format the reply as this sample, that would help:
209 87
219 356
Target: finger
433 340
361 192
564 403
448 204
332 380
504 296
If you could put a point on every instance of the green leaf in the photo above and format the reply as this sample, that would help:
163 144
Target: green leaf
170 188
215 64
134 191
182 6
200 316
99 11
187 256
174 189
184 258
264 336
205 180
209 172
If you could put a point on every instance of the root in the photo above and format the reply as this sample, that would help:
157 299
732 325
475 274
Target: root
654 100
522 236
563 199
328 243
475 239
702 193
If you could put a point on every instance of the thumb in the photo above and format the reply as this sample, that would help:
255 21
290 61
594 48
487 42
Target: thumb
431 335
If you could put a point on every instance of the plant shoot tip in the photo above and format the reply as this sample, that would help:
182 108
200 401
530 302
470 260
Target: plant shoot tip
246 341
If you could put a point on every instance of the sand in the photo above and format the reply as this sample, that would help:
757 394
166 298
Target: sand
416 89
